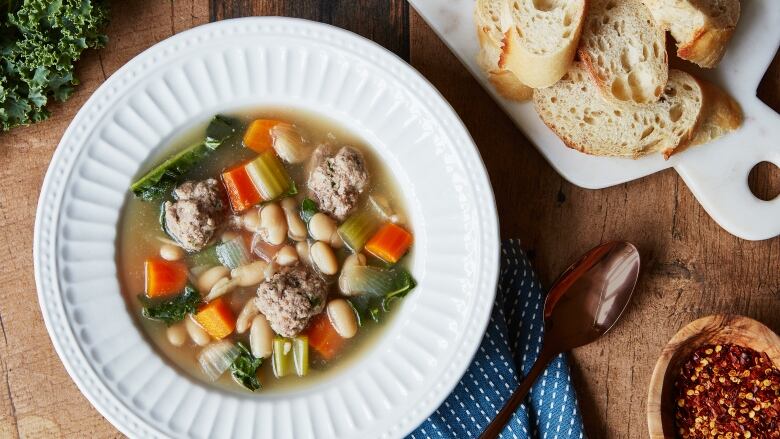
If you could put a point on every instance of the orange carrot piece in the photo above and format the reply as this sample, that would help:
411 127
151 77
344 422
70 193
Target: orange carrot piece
164 278
240 189
258 136
216 318
390 243
323 337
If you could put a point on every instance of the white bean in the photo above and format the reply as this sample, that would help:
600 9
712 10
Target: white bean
357 259
222 287
249 274
342 317
323 257
286 255
303 252
244 319
171 252
177 334
296 228
321 227
228 235
270 270
336 241
261 337
209 278
273 227
251 220
197 334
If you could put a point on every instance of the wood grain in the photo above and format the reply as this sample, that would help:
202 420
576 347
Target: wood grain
692 267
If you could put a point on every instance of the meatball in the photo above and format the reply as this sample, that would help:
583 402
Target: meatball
290 298
196 214
337 182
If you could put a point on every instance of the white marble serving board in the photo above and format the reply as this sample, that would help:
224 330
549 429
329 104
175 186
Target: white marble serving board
715 173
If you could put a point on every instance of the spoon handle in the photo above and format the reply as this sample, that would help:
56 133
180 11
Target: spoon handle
498 423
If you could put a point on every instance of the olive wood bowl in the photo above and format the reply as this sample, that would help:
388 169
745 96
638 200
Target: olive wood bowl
716 329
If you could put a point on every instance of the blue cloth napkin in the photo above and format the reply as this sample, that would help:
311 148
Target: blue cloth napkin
513 339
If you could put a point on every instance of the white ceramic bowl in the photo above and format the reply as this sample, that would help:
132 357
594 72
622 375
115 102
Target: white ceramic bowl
186 79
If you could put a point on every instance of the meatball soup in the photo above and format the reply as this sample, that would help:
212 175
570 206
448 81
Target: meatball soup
264 250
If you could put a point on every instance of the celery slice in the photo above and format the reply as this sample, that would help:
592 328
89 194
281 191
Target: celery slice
301 355
233 253
269 176
283 357
359 227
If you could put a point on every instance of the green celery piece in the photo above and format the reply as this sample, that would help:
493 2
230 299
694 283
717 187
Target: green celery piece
160 181
301 355
283 361
269 176
359 227
205 257
233 253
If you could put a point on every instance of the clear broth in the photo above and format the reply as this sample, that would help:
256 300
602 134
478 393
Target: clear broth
140 235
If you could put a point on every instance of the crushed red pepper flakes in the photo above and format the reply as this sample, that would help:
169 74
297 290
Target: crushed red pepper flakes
727 391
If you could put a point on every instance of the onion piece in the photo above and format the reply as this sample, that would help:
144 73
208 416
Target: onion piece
374 281
289 144
217 357
263 249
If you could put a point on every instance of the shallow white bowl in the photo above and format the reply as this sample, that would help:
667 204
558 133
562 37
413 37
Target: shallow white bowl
186 79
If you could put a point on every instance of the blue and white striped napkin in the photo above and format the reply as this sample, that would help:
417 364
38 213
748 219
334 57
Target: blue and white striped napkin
513 339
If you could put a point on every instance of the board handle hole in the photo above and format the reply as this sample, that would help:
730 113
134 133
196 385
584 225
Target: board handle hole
764 181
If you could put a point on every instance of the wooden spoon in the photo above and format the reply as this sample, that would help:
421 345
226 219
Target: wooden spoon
717 329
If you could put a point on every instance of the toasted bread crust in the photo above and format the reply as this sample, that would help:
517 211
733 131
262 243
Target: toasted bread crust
707 47
490 38
702 28
539 70
721 114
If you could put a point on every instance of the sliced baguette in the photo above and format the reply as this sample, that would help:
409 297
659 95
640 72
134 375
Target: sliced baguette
541 43
720 115
702 28
493 19
575 110
624 51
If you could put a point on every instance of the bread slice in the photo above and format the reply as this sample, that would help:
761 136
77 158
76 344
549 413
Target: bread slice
493 19
702 28
575 110
624 51
541 43
720 115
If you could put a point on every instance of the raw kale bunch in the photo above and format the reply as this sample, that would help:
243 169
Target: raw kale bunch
39 42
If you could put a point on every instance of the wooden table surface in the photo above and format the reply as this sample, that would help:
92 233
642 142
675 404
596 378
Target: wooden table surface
691 267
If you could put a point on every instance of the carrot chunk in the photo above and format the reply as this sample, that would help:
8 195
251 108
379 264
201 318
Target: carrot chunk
390 243
216 318
258 136
323 337
164 278
242 193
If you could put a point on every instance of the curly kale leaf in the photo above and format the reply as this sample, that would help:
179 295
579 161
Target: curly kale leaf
40 40
159 182
244 368
171 310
